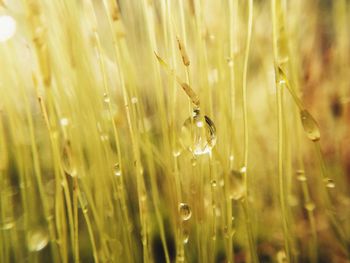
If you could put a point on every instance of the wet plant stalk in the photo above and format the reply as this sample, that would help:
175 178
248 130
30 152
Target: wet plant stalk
281 180
280 47
248 222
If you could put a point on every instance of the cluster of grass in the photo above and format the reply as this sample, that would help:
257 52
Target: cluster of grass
175 131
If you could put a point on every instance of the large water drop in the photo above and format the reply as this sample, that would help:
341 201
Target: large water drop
37 239
198 134
185 211
310 125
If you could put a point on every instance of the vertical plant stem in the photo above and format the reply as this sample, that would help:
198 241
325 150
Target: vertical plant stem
248 222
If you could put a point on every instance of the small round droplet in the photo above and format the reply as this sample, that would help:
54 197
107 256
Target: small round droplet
180 258
106 98
198 134
301 176
243 170
104 137
185 236
143 197
229 62
194 161
7 28
310 126
217 212
199 124
117 171
330 183
185 211
310 206
64 122
176 152
282 82
281 256
37 239
83 203
134 100
213 183
177 149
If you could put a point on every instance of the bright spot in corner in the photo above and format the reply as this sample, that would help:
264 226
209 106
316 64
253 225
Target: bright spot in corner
7 28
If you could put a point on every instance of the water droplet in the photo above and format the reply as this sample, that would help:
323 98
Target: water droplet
236 182
199 124
281 257
185 211
10 210
143 197
301 175
104 137
243 170
7 223
231 158
7 28
176 152
68 164
310 125
194 161
141 171
301 178
185 236
330 183
64 122
281 78
213 183
217 212
198 134
229 62
117 171
177 149
310 206
134 100
106 98
180 258
83 203
282 82
37 239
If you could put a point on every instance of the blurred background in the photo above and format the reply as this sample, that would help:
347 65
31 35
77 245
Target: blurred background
174 131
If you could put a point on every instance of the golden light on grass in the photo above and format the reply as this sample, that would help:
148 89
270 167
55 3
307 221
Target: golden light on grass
174 131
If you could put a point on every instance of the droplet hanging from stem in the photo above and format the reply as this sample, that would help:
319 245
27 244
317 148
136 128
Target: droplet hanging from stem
198 133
